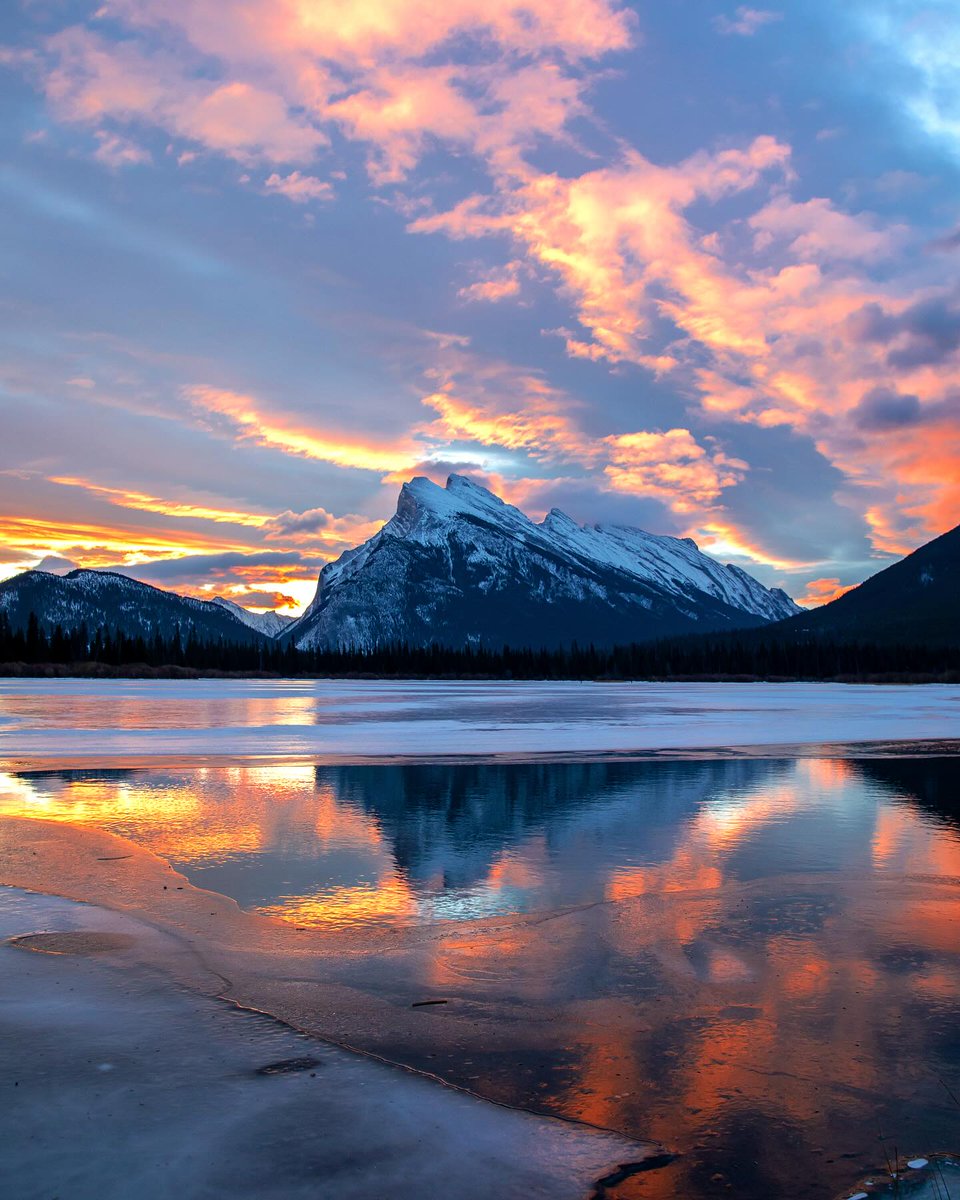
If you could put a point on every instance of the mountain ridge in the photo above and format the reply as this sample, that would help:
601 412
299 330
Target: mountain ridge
458 565
116 600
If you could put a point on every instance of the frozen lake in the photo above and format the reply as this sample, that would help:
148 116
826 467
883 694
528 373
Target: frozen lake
195 1099
752 959
755 961
42 719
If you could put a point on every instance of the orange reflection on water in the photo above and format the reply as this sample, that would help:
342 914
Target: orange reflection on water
389 898
208 815
142 708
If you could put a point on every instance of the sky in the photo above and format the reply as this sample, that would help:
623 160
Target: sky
690 266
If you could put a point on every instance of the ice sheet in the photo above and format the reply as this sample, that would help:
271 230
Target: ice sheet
118 1084
41 719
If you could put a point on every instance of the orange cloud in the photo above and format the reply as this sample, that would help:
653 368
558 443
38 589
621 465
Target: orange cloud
103 543
672 466
497 405
724 540
614 235
170 508
822 591
276 431
537 425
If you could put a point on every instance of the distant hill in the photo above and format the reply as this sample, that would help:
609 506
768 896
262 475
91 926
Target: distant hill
459 567
916 600
107 598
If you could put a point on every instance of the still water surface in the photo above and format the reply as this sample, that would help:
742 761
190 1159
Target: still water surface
755 961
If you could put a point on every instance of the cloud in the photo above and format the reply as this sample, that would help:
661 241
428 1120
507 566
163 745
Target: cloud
816 231
203 568
746 21
90 79
927 42
672 466
498 284
615 237
123 498
299 188
55 564
823 591
261 599
924 333
883 408
247 419
267 579
270 80
317 527
948 242
116 151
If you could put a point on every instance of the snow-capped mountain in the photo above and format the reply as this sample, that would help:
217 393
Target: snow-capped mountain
456 565
107 598
270 624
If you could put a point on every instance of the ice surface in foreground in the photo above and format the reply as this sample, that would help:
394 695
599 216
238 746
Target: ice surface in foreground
933 1178
119 1084
368 719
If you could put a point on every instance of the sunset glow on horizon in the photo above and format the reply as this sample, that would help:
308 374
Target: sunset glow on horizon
688 267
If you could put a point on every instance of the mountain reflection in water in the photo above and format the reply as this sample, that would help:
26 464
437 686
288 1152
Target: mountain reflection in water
755 961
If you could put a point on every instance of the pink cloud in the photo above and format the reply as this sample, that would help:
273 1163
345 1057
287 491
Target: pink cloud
499 284
816 231
291 70
401 111
746 21
116 151
615 236
92 79
299 188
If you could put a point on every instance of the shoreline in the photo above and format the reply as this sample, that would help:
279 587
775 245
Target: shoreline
106 671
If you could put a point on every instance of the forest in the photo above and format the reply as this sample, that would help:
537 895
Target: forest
753 654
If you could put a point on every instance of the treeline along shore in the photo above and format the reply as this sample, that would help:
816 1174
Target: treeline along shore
758 654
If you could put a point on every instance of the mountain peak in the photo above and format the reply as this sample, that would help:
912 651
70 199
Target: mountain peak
423 500
557 520
463 485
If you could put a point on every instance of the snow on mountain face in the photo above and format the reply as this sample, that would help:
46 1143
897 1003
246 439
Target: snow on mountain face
673 563
270 624
458 565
